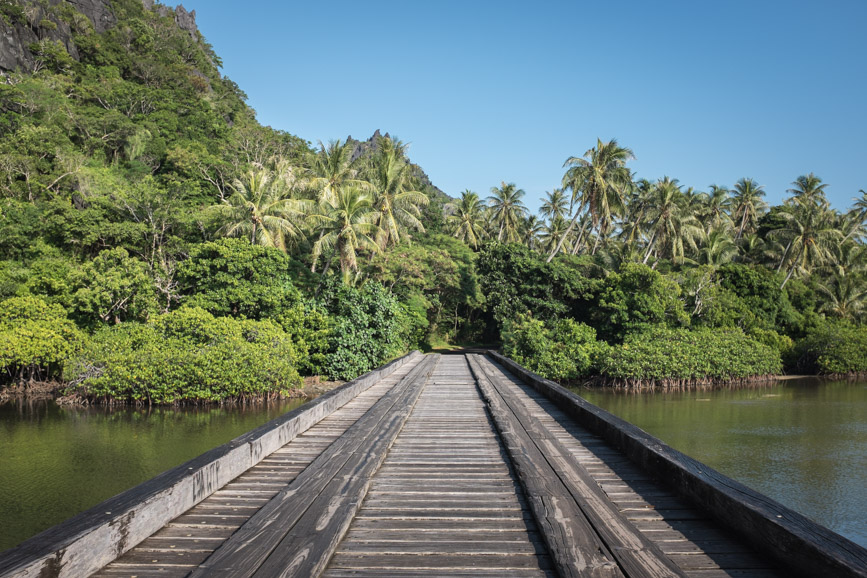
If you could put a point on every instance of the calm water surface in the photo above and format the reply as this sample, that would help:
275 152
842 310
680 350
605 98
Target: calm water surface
802 442
57 461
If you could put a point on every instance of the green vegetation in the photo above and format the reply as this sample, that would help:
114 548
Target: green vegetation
158 245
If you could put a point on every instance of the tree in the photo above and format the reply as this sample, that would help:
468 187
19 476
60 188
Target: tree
507 211
114 287
261 208
231 277
671 223
346 225
332 169
598 181
468 219
810 235
555 205
398 207
747 205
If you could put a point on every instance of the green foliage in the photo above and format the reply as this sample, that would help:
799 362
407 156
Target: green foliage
309 327
367 329
233 277
567 350
36 338
516 281
186 355
114 287
637 297
832 347
682 357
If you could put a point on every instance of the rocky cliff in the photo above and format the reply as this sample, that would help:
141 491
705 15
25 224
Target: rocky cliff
24 24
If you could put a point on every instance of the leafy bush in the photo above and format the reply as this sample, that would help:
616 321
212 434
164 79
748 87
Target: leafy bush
566 350
186 355
309 327
367 330
637 297
833 347
233 277
36 338
682 356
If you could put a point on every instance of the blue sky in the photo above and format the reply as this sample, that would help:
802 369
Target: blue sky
705 92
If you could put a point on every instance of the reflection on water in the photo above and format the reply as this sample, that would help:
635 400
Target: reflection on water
57 461
802 442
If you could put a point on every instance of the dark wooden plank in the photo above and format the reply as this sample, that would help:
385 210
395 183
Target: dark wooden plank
87 542
805 548
573 545
251 546
637 555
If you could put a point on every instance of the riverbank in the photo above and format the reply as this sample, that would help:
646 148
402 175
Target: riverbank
56 391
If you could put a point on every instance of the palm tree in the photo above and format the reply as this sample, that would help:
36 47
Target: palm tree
810 233
468 219
747 205
397 206
552 232
261 208
532 229
507 211
671 223
332 169
555 205
807 190
598 181
714 210
345 225
844 296
717 249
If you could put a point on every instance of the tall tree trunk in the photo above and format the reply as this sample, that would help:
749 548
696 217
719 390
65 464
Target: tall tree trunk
562 239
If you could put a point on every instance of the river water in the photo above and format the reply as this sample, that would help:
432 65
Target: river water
802 442
58 461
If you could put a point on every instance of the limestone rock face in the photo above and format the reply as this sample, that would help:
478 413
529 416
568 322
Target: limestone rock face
186 21
16 38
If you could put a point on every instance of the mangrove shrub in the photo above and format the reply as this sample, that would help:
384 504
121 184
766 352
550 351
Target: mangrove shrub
681 356
186 355
563 349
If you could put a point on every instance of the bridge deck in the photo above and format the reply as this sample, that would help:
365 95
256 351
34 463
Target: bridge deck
449 466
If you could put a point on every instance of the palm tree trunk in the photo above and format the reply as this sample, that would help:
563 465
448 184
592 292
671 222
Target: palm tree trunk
649 248
577 246
562 239
789 276
785 254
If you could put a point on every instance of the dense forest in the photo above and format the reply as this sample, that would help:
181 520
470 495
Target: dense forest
158 245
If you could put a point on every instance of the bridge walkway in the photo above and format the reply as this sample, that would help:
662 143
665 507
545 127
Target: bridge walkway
450 466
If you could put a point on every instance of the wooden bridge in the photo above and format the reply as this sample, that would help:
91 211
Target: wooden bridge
463 465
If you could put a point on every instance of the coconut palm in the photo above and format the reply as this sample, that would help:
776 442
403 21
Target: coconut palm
810 235
398 208
345 225
807 190
672 225
551 234
556 204
717 249
507 211
715 206
531 231
261 208
747 205
332 169
468 219
844 296
598 180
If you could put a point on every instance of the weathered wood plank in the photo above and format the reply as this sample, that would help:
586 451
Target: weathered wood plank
574 547
92 539
802 546
249 548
